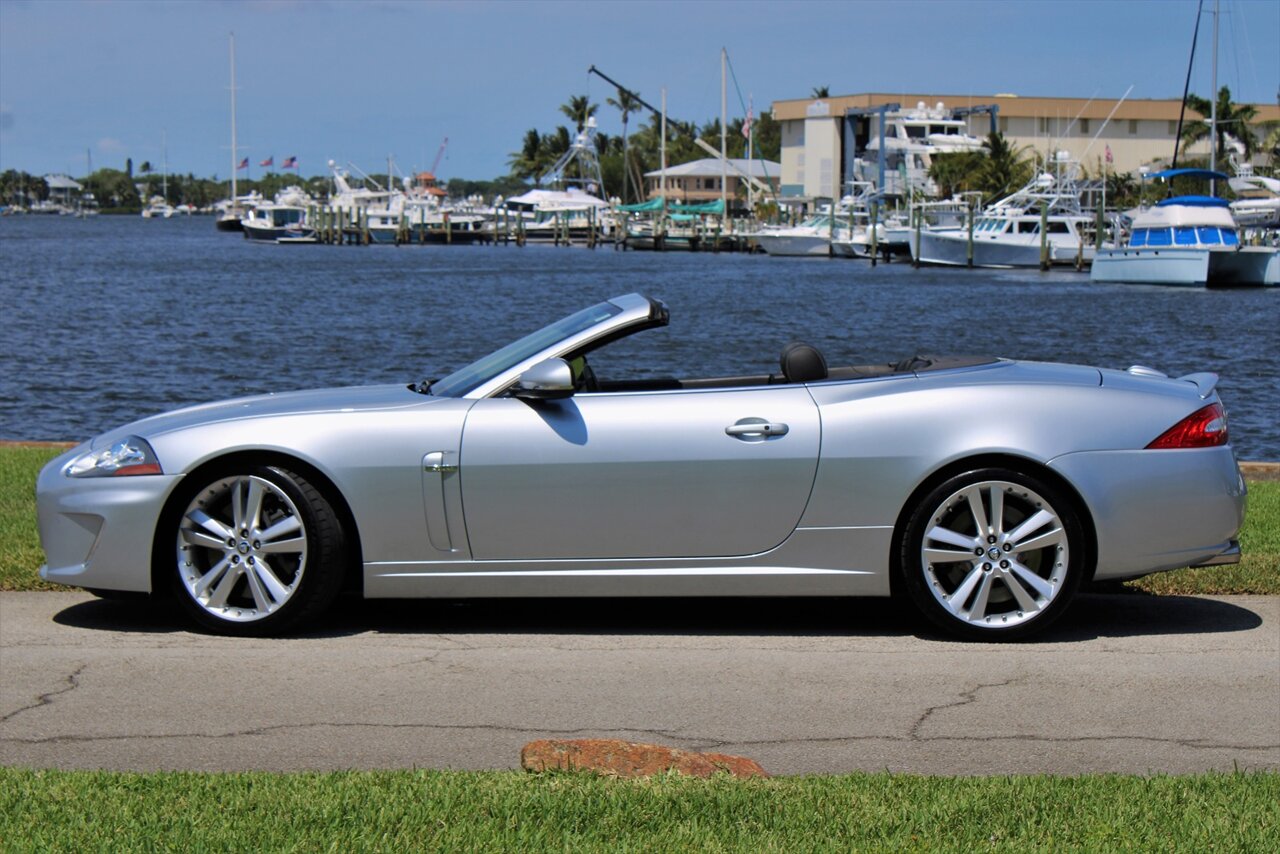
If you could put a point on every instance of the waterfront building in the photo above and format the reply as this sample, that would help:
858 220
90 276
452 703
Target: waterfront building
699 180
822 138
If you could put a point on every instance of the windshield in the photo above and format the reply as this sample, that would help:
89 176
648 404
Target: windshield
481 371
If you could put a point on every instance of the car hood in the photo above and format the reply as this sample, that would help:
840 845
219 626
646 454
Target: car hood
351 399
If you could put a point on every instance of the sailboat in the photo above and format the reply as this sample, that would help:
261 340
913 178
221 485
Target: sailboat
232 211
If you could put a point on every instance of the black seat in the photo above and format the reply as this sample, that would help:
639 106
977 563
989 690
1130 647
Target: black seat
803 363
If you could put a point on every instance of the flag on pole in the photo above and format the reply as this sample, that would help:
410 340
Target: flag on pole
290 163
746 126
244 164
270 161
1109 157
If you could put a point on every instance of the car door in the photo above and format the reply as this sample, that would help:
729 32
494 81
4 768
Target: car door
638 475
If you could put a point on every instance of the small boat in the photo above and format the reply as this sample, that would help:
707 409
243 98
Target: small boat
1190 241
158 208
274 222
812 237
1257 203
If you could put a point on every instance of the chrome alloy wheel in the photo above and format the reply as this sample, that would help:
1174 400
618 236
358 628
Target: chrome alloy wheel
995 554
241 548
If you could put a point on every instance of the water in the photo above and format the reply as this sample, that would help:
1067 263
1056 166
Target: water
113 318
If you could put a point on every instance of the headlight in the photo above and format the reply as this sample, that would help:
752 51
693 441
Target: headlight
130 456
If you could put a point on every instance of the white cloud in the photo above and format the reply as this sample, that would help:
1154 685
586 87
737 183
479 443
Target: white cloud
110 145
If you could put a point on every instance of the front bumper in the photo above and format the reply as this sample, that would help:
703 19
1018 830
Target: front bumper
97 532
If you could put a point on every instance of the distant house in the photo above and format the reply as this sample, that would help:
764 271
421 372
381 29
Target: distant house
63 190
699 180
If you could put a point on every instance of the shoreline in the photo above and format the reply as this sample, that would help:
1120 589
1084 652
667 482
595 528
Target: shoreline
1252 470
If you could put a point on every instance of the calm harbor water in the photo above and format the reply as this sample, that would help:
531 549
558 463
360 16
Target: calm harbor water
113 318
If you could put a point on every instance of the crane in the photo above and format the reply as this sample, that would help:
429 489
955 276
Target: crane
682 127
439 154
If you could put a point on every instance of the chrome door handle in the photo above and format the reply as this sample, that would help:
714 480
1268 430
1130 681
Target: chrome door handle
751 428
434 461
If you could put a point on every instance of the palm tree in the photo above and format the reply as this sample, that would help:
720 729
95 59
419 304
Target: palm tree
1233 120
820 92
626 103
579 108
524 163
1006 168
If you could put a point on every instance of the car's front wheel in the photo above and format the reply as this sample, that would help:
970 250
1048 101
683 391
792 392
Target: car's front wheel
254 550
993 554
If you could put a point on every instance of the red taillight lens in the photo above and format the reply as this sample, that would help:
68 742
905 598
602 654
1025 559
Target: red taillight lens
1204 428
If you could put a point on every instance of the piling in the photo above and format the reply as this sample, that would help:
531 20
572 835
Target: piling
918 215
1044 236
969 244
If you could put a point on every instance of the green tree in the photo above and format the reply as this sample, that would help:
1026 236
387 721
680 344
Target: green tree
1004 169
957 172
145 167
1233 119
820 92
578 109
626 103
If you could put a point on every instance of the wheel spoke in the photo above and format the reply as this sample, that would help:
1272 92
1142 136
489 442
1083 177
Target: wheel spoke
237 505
947 556
260 600
957 599
293 545
1051 538
214 573
203 540
253 503
287 525
1035 582
218 599
979 512
950 537
997 510
979 609
269 580
210 524
1025 602
1034 523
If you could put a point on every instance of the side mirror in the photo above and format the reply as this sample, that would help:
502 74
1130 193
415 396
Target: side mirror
549 380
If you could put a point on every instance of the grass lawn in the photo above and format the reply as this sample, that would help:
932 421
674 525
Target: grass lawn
515 811
1258 572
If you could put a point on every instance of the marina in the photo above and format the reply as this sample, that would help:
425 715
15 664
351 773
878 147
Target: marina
142 318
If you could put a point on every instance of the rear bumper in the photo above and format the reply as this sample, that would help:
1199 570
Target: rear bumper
1158 510
1227 558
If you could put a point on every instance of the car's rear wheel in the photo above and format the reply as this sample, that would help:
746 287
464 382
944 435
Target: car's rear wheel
256 550
993 554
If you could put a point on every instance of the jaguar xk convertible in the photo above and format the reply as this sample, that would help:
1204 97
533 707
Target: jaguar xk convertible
983 490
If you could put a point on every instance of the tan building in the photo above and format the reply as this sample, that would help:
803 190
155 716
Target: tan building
821 138
699 180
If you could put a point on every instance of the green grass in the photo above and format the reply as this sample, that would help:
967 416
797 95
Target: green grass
514 811
1257 572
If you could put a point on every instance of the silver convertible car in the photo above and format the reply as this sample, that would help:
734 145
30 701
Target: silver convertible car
983 490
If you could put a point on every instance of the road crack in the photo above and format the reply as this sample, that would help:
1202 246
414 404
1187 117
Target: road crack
73 682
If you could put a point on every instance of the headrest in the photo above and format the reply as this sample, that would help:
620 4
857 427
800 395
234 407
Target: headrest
802 363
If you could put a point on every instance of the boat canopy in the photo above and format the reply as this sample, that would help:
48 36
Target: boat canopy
716 207
1195 201
652 205
1206 174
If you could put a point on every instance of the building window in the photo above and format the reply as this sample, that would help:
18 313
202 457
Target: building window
1042 124
1004 124
1173 127
1133 127
1084 126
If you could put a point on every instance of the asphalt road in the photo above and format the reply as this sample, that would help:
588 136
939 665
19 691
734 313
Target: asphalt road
1125 683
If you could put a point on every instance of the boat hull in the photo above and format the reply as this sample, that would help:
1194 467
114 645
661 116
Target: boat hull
951 249
794 245
1249 266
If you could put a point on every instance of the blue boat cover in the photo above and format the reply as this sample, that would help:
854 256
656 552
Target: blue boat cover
1195 202
1206 174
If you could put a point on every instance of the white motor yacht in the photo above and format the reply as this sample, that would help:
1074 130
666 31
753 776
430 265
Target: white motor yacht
812 237
1187 240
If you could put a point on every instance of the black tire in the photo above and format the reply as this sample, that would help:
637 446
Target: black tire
282 569
1005 592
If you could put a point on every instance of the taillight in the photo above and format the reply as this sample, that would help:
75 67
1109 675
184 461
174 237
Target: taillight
1204 428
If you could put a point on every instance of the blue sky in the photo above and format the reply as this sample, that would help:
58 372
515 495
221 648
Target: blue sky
358 81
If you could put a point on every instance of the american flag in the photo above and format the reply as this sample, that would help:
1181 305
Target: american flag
746 126
290 163
1109 157
244 164
270 161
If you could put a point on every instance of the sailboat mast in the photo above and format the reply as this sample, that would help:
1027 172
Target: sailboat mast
164 165
724 147
235 163
1213 106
